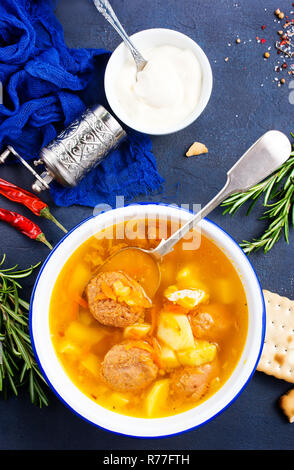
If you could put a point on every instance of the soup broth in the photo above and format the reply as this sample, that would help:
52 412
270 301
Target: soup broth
181 346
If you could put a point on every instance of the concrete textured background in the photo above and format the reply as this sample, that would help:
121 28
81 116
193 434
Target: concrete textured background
245 103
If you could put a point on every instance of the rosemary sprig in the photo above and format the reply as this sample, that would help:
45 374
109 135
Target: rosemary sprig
18 365
278 200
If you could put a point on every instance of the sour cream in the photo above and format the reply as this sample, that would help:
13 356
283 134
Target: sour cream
165 92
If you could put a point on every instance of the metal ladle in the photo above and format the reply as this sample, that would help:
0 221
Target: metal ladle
262 159
104 7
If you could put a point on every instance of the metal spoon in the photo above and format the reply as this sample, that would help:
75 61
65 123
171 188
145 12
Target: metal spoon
104 7
262 159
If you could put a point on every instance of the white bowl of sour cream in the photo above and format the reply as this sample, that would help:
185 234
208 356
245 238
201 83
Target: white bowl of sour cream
171 91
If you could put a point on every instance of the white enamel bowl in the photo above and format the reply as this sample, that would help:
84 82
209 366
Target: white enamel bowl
147 39
88 409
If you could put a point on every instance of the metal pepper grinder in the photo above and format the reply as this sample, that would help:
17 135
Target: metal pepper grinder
80 147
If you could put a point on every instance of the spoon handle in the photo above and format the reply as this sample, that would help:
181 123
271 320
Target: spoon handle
260 161
104 7
166 246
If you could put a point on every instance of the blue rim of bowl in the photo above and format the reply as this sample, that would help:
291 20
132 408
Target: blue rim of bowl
130 435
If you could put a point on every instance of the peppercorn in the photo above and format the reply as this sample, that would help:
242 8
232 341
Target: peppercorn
281 15
282 81
284 65
266 55
238 40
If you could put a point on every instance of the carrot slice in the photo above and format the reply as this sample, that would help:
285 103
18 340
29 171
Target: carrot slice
154 316
175 308
141 345
73 311
82 302
107 291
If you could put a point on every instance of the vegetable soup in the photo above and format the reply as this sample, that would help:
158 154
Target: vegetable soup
148 357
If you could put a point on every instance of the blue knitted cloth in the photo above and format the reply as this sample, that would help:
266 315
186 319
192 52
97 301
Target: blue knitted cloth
46 85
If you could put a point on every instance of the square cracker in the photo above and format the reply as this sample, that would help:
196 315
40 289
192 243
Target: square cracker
277 357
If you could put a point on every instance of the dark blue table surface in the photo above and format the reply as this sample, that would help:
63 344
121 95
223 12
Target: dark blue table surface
245 103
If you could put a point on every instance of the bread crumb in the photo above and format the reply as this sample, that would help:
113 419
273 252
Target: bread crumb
287 405
197 148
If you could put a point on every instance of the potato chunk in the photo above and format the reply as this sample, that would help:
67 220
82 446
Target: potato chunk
201 353
189 277
79 279
157 397
85 317
168 358
137 331
84 335
91 364
119 399
66 346
175 331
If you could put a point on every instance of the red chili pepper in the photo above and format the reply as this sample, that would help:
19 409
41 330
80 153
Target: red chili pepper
24 225
31 201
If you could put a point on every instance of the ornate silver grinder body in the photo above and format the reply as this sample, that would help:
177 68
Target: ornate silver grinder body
80 147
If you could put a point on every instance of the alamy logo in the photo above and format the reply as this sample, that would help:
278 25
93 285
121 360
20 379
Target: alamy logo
150 227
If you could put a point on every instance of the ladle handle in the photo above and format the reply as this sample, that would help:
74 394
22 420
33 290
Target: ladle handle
104 7
166 246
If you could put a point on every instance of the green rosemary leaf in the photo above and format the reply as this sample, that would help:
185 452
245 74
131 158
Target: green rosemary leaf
32 387
22 350
7 364
286 230
42 397
37 371
12 385
17 318
24 304
23 372
251 206
268 191
17 363
279 189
